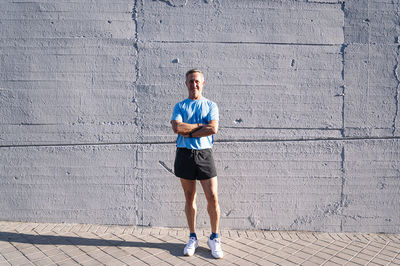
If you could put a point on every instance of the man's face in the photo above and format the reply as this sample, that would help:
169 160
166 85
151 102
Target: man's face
195 83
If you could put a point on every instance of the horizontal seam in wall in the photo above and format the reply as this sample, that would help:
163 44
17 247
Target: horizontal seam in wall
285 128
218 141
267 43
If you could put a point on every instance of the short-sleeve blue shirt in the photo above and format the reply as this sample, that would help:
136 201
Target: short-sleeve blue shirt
192 112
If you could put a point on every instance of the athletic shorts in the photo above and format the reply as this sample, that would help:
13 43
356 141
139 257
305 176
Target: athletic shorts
194 164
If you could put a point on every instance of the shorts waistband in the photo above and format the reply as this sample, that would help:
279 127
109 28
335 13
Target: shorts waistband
192 150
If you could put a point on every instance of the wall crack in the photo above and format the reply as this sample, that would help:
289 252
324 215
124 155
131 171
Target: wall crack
396 96
343 181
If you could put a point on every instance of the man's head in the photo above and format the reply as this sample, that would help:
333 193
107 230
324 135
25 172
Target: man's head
194 83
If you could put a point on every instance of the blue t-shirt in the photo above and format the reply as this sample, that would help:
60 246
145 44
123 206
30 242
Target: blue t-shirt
192 112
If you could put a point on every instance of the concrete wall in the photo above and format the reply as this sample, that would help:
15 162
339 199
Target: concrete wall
308 93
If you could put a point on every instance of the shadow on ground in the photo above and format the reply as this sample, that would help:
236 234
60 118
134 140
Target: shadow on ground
175 249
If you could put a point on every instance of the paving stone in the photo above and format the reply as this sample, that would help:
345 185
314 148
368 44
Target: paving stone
40 227
152 260
98 255
309 263
88 249
92 263
4 249
59 257
173 260
34 256
344 256
330 263
316 260
359 261
49 227
107 259
21 246
338 260
364 256
302 255
67 262
2 259
290 250
93 228
20 260
129 260
253 257
12 255
394 247
115 230
128 230
83 258
323 255
352 264
309 249
44 248
385 257
290 236
43 261
275 259
265 263
101 229
389 253
260 253
396 261
21 227
282 254
380 261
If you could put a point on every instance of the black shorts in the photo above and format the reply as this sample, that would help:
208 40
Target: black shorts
194 164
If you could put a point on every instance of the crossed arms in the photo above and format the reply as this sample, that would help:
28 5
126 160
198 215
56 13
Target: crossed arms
197 130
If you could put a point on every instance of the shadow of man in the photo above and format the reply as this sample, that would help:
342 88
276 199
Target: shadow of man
175 249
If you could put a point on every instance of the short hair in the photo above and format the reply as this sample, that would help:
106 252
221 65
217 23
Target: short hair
194 70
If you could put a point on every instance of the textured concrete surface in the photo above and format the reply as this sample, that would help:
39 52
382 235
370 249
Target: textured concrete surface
89 244
308 93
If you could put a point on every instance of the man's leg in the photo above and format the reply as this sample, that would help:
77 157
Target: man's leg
210 187
189 188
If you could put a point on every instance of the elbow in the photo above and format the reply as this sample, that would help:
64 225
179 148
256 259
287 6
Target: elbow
214 130
175 127
176 130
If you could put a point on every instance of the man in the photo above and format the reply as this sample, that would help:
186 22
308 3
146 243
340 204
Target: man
195 120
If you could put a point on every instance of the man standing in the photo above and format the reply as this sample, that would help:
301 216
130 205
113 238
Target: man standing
195 120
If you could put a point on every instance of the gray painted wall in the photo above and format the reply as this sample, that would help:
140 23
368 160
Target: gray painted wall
308 93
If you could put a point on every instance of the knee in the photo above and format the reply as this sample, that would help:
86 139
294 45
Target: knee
213 200
190 197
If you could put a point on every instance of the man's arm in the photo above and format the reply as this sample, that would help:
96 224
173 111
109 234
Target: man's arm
184 128
197 130
206 130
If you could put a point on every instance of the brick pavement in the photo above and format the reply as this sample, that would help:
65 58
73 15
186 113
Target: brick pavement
86 244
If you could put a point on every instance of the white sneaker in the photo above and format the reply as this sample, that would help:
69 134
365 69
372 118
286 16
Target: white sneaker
215 246
191 247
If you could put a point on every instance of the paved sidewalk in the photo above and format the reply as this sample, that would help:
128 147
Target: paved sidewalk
86 244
